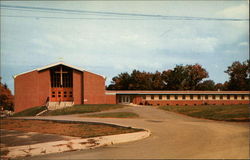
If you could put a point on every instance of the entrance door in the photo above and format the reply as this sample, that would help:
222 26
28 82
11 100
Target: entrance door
61 94
124 99
61 84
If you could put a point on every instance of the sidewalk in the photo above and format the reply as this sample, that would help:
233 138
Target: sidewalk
11 138
23 144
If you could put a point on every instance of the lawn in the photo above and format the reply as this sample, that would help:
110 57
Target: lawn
76 129
77 109
214 112
30 112
115 115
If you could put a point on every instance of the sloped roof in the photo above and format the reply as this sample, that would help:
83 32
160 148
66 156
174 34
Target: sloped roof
56 64
59 63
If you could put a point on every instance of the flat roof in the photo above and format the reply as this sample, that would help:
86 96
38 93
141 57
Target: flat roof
136 92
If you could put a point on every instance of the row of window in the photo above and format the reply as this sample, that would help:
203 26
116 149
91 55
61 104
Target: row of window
198 97
59 94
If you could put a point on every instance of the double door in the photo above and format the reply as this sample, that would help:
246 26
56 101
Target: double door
125 99
61 94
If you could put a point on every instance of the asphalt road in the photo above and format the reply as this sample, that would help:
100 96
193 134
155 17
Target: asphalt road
173 136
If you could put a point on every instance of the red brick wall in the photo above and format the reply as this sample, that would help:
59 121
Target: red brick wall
192 102
43 86
77 87
31 89
110 99
94 88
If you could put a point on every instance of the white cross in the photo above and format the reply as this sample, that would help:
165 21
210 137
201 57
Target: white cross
61 75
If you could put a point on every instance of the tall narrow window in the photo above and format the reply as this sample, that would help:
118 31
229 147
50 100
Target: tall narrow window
206 96
199 96
228 96
160 96
191 96
235 96
242 96
175 96
221 96
183 96
168 96
213 96
152 97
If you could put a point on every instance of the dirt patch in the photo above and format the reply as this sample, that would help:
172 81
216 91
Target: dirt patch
79 129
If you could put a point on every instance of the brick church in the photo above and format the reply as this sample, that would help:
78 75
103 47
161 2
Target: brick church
61 85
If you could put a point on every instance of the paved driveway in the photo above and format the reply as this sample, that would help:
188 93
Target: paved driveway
173 136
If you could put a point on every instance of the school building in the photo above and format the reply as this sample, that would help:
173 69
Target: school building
62 85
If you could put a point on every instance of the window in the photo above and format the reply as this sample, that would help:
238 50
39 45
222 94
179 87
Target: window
228 96
175 96
191 97
235 96
152 96
143 97
213 96
242 97
160 96
199 96
183 96
206 96
168 96
221 96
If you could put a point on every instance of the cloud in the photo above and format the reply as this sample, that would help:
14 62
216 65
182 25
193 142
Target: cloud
240 11
243 44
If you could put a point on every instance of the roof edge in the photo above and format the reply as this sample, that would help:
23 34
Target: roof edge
55 64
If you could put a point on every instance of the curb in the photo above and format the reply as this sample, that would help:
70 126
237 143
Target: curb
72 145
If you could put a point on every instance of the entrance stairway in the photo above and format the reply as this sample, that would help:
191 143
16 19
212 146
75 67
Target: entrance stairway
59 105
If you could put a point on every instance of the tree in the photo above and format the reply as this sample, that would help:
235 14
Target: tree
6 98
184 77
239 76
180 78
207 85
120 82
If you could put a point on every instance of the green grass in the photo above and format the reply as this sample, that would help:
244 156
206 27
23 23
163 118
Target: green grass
115 115
30 112
77 109
214 112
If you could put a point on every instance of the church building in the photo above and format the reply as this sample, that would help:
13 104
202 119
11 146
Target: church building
62 85
56 84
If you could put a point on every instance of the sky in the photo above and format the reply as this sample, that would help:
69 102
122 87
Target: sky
113 43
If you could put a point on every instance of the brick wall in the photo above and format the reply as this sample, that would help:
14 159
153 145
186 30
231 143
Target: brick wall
78 87
31 89
94 88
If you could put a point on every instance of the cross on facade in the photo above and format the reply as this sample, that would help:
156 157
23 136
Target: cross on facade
61 72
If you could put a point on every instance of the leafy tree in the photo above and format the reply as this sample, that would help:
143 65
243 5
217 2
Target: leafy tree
141 80
239 76
207 85
184 77
6 98
180 78
120 82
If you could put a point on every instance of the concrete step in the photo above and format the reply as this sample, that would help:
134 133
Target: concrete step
38 114
59 105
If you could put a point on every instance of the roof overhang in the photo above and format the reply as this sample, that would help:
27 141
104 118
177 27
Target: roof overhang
56 64
60 63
